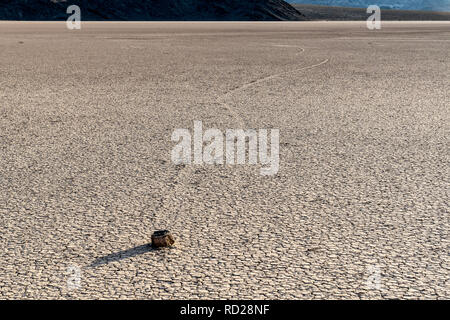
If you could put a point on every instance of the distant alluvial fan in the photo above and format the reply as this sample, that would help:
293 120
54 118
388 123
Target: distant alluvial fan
141 10
437 5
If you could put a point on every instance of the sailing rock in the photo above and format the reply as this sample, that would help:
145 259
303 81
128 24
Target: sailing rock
162 239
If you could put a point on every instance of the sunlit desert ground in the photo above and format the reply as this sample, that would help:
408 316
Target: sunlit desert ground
358 209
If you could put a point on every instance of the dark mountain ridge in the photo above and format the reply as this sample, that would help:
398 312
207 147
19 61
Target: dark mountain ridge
142 10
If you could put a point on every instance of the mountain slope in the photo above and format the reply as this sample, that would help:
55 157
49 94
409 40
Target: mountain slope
265 10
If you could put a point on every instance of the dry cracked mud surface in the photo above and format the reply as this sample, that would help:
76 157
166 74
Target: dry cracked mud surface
86 118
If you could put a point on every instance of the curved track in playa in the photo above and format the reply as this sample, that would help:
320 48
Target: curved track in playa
186 171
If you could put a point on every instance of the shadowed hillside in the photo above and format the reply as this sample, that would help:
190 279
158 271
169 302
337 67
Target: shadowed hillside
222 10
